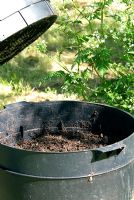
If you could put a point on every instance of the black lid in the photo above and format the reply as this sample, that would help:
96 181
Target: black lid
21 23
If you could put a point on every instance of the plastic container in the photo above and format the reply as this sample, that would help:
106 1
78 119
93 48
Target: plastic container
105 173
21 23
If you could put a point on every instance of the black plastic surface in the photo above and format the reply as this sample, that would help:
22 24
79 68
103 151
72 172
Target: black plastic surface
104 173
76 164
22 25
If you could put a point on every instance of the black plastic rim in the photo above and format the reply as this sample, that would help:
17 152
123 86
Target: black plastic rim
20 40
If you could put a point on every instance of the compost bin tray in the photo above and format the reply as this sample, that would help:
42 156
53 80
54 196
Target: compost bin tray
21 23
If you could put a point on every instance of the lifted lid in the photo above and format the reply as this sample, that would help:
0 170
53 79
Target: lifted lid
21 23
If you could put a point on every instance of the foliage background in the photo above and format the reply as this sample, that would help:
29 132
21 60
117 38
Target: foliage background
88 54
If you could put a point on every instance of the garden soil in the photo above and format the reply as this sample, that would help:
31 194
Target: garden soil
63 142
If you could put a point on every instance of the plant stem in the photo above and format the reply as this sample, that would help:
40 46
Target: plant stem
102 18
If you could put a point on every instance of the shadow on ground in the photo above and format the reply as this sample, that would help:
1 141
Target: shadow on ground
31 71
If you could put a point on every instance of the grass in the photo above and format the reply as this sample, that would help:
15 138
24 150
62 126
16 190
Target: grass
24 78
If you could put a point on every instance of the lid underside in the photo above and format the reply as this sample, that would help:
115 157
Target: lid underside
21 28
